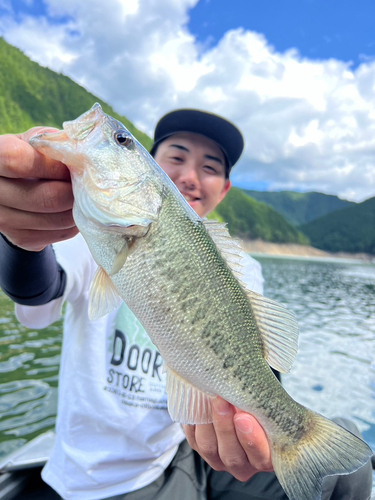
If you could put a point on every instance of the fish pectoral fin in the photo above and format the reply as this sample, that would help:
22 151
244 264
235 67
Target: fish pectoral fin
186 403
103 296
120 258
279 331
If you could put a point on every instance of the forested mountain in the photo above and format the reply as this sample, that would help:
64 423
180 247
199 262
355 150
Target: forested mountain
32 95
300 208
248 218
349 230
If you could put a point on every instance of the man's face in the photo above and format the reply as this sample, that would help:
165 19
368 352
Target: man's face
197 166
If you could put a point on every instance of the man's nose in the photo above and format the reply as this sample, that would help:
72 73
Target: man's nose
189 175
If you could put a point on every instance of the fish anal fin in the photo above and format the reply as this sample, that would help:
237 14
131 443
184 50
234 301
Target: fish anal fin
186 403
103 296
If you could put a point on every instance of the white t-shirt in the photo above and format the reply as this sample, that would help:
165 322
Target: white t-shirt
113 431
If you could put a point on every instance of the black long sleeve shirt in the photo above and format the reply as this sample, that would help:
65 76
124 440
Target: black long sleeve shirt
30 278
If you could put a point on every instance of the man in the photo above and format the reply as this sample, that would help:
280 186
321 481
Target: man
114 436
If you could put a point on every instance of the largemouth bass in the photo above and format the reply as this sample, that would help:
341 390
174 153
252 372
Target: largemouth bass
181 277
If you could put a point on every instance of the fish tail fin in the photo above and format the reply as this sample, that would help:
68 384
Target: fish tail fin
325 449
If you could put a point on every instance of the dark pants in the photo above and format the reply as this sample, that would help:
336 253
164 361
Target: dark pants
188 477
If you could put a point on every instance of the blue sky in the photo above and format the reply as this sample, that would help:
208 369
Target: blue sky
307 114
322 29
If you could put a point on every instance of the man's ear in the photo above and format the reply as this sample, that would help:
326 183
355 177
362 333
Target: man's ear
226 188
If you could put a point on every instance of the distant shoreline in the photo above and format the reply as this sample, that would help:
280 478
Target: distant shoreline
261 247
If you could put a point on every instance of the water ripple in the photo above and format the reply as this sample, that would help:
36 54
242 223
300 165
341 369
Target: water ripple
335 306
15 362
29 365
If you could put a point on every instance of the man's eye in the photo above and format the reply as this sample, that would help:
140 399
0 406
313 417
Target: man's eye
210 169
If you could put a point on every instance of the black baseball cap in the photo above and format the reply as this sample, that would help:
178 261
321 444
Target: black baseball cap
223 132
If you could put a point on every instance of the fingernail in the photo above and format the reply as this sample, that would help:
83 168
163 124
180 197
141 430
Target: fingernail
244 425
222 407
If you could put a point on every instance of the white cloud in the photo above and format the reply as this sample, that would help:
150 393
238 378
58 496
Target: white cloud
308 125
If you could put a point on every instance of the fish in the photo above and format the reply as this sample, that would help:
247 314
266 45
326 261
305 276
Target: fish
182 278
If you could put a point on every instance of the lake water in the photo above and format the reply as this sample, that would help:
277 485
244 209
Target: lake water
334 301
334 372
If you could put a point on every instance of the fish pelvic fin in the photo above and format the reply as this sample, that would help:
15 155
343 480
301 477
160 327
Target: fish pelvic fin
186 403
326 449
278 327
103 296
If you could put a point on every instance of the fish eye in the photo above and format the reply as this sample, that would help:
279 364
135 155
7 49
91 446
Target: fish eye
123 138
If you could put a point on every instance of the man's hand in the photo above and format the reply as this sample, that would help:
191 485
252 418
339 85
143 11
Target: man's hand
235 442
36 196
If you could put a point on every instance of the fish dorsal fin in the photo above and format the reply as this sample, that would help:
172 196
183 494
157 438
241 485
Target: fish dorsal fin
279 331
229 248
186 403
103 296
278 327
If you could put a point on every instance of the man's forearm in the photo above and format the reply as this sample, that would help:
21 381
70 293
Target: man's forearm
30 278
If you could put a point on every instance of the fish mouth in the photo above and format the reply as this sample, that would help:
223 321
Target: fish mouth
47 137
60 147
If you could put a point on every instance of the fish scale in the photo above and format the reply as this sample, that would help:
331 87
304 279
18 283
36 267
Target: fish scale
182 279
